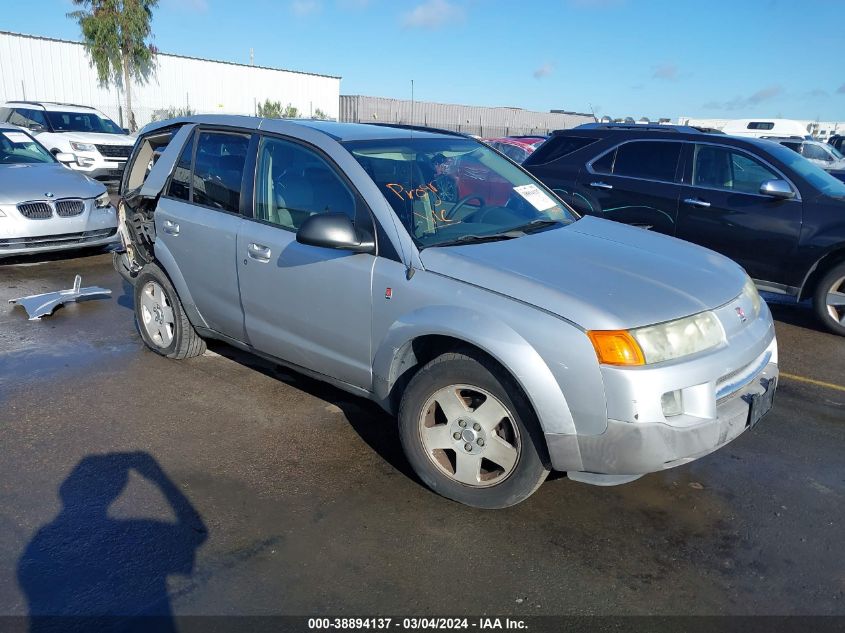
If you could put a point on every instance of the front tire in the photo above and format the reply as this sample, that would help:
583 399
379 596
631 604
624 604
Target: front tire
829 299
160 318
470 434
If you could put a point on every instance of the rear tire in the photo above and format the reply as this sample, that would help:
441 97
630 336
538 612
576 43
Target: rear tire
829 299
160 318
470 434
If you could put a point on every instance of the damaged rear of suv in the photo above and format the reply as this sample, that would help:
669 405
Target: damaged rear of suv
424 271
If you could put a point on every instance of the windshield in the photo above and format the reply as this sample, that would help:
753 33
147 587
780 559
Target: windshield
815 175
82 122
836 153
19 147
445 190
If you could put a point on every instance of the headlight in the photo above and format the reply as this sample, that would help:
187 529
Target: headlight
82 147
749 291
657 343
103 201
679 338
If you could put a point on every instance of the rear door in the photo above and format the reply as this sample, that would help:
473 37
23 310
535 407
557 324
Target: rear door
722 209
197 221
636 182
308 305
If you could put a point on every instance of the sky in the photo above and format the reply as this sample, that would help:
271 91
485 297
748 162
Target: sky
653 58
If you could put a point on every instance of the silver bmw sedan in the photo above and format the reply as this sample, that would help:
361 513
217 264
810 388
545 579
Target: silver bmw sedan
45 206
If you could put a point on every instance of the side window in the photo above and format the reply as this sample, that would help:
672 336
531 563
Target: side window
218 170
760 125
604 165
653 160
180 183
4 114
294 183
24 117
558 147
815 152
721 168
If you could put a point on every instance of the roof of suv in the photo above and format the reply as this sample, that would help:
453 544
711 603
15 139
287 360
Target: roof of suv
336 130
51 106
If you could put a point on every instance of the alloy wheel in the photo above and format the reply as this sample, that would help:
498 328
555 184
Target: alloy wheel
835 301
470 435
157 316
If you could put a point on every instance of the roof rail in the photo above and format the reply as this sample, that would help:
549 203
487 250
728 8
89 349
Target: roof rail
656 127
420 128
41 103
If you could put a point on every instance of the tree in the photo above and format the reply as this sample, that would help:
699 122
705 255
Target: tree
115 33
274 110
172 112
319 114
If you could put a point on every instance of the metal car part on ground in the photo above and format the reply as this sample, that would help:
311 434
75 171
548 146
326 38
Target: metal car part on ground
44 304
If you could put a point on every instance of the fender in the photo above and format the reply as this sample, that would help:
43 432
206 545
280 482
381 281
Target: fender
492 336
165 259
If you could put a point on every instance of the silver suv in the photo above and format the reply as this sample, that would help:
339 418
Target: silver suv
427 272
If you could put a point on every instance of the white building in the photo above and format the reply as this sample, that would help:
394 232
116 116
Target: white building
43 69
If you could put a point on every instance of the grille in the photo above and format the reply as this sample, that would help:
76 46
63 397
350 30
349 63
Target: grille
69 208
35 210
56 240
115 151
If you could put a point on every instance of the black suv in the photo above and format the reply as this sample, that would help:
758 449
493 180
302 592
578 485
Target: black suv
761 204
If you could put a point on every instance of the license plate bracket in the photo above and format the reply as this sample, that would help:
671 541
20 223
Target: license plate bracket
761 403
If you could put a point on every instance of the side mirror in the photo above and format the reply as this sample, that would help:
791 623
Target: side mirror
127 131
333 230
35 128
66 157
779 189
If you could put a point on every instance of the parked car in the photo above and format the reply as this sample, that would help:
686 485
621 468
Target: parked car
767 127
837 142
769 209
509 337
825 156
517 148
43 205
99 145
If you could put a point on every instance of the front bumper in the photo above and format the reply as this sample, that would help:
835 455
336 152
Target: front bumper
20 235
716 389
102 171
638 448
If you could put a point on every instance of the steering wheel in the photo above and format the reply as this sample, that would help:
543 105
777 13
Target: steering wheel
460 203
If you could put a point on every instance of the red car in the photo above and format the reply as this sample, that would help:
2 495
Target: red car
517 148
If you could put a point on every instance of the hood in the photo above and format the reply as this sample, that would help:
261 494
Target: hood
33 181
599 274
97 138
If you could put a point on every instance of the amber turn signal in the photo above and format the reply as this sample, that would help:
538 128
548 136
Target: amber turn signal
616 347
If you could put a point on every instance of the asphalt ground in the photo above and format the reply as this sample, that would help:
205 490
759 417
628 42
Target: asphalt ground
226 485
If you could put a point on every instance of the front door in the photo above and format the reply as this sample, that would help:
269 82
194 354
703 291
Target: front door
635 183
197 221
307 305
722 208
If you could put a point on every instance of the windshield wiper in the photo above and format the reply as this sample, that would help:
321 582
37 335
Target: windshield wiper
477 239
536 225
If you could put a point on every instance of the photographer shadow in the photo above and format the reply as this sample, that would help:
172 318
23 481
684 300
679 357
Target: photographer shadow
87 571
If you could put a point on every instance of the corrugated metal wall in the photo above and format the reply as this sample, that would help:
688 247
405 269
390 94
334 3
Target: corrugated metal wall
38 68
483 121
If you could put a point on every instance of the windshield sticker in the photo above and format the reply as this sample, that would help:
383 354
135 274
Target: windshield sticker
538 199
17 137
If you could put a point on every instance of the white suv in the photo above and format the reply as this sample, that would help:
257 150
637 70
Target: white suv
99 144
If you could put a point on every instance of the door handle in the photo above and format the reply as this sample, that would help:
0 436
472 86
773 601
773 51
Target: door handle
601 185
258 252
171 227
697 202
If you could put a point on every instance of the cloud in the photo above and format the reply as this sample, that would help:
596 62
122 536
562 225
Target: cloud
738 103
817 93
433 14
353 4
667 72
305 7
544 71
841 90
